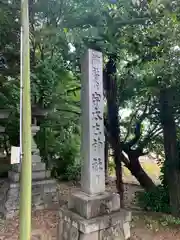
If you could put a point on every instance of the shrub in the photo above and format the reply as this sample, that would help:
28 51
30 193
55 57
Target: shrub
73 172
156 200
59 150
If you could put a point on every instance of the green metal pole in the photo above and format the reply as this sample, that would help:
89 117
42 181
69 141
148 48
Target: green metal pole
26 165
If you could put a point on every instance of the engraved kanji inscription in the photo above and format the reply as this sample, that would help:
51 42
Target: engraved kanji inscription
96 99
97 164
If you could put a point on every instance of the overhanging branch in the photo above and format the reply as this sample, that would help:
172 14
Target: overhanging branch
137 130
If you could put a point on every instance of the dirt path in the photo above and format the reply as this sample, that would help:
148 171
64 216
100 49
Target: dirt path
44 227
129 192
144 234
153 227
44 223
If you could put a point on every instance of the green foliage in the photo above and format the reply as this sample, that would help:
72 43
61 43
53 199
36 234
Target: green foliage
59 146
169 220
73 172
156 200
141 36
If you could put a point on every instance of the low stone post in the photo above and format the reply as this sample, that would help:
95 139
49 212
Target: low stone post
93 213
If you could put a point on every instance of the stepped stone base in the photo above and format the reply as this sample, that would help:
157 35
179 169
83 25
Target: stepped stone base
94 217
44 189
113 226
94 206
38 175
44 195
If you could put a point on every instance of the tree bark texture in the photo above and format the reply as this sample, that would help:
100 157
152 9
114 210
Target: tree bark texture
172 170
113 122
138 172
106 158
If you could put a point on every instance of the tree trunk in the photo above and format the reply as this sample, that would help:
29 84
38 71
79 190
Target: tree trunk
134 166
106 158
172 171
113 122
119 179
138 172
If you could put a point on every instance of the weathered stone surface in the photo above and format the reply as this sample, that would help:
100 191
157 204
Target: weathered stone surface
15 176
107 227
74 233
44 189
60 227
90 236
94 224
36 166
41 198
10 214
66 228
126 229
93 214
93 206
36 158
50 186
43 182
112 233
92 100
35 151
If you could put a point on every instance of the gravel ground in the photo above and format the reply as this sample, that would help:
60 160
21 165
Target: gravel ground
44 223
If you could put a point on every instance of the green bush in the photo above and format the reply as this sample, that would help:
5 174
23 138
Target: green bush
73 172
157 200
59 150
66 159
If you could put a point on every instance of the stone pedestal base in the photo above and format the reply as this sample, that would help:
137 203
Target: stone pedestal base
44 190
94 205
113 226
97 217
44 195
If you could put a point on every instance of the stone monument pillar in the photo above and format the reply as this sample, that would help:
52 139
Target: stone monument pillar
44 189
93 213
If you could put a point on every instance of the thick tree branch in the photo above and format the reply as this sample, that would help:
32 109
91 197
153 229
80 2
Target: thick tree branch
154 132
111 141
129 127
137 130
